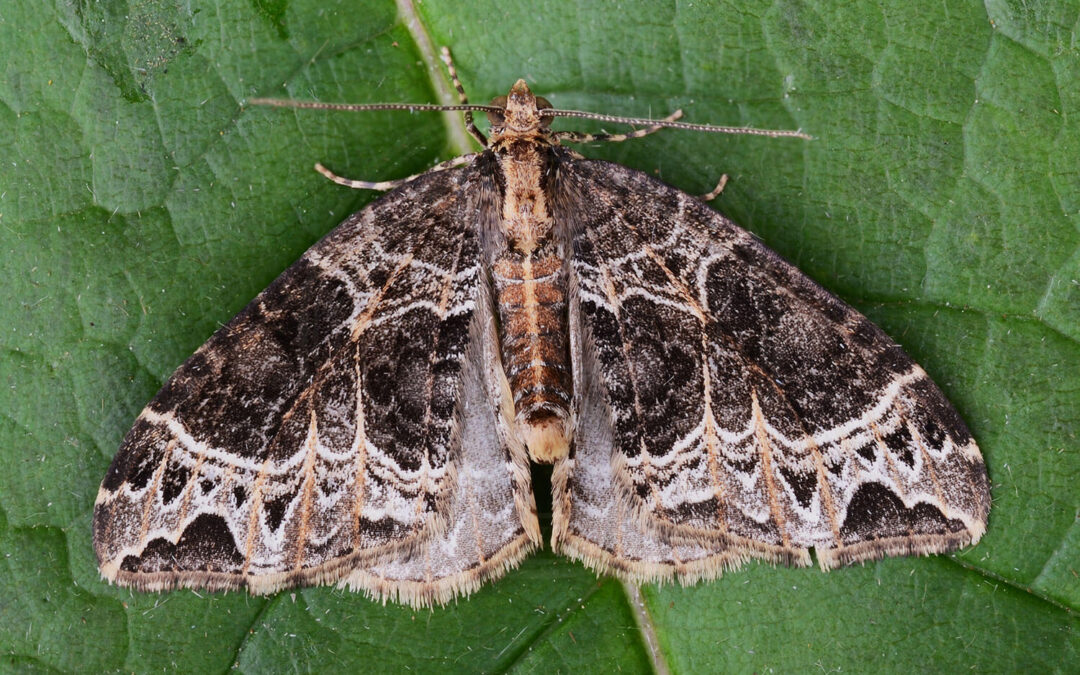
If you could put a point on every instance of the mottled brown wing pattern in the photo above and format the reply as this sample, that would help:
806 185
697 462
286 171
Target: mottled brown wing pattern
595 521
750 412
492 521
321 428
369 418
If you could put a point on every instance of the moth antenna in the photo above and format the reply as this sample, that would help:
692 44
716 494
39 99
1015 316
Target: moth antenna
670 124
411 107
546 112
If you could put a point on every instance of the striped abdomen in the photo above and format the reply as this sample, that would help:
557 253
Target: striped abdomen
531 296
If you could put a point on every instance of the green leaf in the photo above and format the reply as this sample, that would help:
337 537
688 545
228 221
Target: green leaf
142 205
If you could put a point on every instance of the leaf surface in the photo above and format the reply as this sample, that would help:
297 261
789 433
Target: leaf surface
142 205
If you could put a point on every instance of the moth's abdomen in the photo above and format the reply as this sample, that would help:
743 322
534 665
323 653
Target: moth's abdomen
531 295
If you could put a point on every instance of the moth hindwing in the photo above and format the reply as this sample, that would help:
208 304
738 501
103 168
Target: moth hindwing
369 419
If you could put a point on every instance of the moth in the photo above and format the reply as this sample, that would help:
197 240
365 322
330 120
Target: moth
370 418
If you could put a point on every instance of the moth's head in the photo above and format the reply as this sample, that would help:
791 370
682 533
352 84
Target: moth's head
520 112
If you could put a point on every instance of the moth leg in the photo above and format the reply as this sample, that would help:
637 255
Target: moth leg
578 137
715 192
383 186
462 98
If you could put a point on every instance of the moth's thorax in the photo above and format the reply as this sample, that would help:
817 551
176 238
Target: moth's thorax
526 218
521 143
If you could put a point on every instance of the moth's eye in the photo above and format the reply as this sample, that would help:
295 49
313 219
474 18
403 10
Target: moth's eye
497 118
541 104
